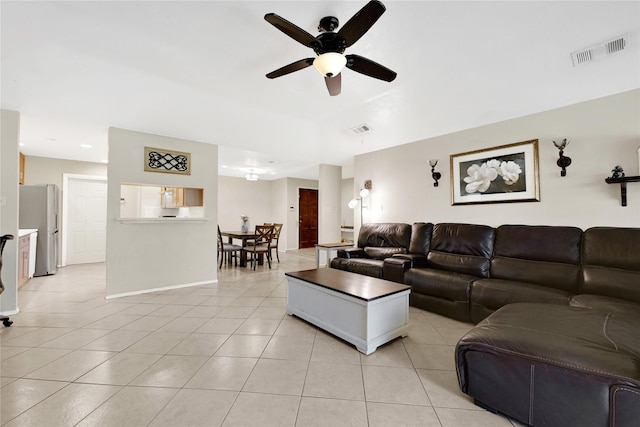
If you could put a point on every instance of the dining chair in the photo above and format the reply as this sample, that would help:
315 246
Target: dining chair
261 245
277 228
227 250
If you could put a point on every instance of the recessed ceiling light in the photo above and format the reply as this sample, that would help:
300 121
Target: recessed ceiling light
21 144
86 146
272 173
104 161
224 166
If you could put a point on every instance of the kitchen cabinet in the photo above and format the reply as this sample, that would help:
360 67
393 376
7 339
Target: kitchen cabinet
21 178
178 197
24 248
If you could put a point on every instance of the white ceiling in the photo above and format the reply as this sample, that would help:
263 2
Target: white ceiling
195 70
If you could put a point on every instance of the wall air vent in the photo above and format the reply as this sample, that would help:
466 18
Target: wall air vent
600 51
360 129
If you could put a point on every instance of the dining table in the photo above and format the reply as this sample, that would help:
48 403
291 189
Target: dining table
245 236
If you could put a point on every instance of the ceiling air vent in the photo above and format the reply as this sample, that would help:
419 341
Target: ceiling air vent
600 51
360 129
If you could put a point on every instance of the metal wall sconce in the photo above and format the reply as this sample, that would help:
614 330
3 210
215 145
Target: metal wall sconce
563 161
435 175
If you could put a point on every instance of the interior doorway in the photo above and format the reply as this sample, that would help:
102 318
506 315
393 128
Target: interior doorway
84 219
307 218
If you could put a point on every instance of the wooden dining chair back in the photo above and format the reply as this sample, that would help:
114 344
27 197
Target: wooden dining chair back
277 228
227 250
261 246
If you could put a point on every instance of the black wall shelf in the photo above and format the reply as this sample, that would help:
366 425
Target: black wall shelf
623 185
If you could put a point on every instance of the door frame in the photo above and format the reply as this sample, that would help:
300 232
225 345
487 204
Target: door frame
298 218
65 204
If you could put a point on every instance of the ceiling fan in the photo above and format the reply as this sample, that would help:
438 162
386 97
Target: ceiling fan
329 47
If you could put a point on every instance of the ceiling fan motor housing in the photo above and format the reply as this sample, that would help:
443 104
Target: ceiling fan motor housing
328 23
329 42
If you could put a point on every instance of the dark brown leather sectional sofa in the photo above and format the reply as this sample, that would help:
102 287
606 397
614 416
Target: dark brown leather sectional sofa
558 310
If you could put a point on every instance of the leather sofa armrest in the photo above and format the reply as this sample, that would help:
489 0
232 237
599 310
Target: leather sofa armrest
351 253
415 260
394 267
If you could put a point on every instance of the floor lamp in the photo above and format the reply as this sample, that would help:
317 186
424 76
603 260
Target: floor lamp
354 202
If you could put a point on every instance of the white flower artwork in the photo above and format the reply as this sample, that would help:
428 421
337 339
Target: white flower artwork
480 177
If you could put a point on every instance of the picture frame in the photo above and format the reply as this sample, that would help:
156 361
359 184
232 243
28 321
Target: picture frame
506 173
167 161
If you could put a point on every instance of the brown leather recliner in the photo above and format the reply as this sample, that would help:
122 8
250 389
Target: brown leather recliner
531 263
441 278
375 243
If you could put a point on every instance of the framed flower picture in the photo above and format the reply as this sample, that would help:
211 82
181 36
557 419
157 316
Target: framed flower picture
508 173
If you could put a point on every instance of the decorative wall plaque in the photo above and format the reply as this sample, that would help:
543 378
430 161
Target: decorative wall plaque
166 161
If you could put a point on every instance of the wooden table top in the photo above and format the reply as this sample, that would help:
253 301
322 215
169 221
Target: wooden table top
356 285
239 234
334 245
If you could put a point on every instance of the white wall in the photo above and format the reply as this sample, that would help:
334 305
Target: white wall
142 256
605 132
347 193
10 161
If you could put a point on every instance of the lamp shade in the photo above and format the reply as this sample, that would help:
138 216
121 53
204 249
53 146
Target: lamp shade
330 64
352 203
364 192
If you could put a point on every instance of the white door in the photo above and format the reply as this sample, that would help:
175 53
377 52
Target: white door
86 221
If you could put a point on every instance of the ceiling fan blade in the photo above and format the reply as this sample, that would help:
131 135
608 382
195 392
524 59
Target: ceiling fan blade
369 68
294 66
292 30
334 84
361 22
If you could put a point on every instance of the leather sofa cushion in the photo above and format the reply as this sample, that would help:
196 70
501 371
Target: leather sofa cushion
461 248
612 247
554 244
382 253
612 282
365 266
607 304
581 339
463 239
421 238
465 264
439 283
496 293
565 277
385 234
611 262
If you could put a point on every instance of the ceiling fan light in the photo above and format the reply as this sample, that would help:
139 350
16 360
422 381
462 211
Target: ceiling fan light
330 64
251 176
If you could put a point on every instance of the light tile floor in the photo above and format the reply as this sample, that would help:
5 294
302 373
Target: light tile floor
223 354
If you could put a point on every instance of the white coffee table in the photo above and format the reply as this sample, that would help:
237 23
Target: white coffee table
362 310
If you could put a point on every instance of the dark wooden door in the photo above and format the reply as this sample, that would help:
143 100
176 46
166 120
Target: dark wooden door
307 218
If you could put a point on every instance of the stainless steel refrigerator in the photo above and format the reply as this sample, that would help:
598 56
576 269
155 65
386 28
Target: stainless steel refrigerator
39 209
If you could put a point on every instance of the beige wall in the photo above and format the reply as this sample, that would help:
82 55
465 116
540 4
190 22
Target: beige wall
237 197
9 137
156 254
605 132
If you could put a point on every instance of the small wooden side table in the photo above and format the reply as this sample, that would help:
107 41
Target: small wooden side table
328 247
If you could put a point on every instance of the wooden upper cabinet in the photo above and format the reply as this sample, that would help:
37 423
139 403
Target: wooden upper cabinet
178 197
21 178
